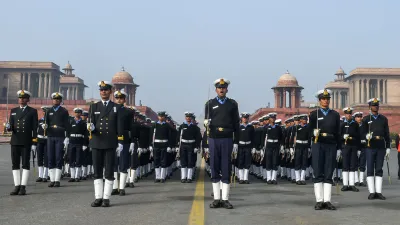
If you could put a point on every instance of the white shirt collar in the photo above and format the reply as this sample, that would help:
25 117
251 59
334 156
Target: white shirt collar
22 107
105 101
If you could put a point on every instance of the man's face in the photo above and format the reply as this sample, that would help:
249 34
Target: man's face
161 118
56 101
84 117
296 122
271 120
120 101
358 119
78 115
221 91
303 121
324 102
105 94
375 108
245 120
347 116
23 101
188 119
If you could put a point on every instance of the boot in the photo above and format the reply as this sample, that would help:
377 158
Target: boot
22 190
16 190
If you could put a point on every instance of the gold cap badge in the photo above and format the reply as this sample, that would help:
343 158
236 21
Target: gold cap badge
221 81
375 100
102 84
57 95
22 92
326 92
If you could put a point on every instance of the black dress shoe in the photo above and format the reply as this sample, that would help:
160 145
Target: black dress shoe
22 190
84 178
136 180
293 181
357 184
157 181
163 181
189 181
51 184
307 178
362 184
71 180
44 180
345 188
371 196
303 182
183 181
269 182
377 196
298 182
226 204
106 203
329 206
274 182
131 185
57 184
121 192
241 182
319 206
97 202
16 190
77 180
114 192
39 179
283 177
215 204
353 188
247 182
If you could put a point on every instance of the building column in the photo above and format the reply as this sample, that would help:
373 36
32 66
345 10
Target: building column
50 85
40 86
284 98
29 82
385 91
378 81
76 92
368 90
68 93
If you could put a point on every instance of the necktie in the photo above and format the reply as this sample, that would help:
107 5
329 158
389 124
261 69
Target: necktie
105 104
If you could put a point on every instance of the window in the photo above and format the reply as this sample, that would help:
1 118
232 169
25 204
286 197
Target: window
4 92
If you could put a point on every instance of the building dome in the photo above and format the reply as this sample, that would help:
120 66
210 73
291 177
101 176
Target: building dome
340 71
337 85
122 77
287 80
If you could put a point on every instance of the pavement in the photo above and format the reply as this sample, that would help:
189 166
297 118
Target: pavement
177 203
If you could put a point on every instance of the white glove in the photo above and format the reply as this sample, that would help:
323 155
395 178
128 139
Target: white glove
207 150
90 127
253 151
131 147
206 122
7 126
316 132
338 154
84 148
387 153
119 149
262 153
291 151
169 149
345 136
363 141
282 150
309 152
44 126
368 136
177 149
151 149
235 148
196 150
33 148
66 141
139 150
358 153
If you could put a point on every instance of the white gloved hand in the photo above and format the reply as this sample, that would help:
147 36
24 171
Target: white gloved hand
139 150
338 154
363 141
66 141
235 148
345 136
253 151
358 153
33 148
195 150
7 126
262 153
131 147
177 149
169 149
151 149
387 153
84 148
282 150
207 150
368 136
206 122
119 149
316 132
291 151
44 126
90 127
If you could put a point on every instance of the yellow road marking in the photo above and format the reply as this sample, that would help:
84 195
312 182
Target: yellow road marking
197 213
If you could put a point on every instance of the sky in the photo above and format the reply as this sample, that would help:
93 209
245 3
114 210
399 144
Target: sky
176 49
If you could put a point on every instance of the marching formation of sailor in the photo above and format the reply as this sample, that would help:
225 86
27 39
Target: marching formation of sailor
117 145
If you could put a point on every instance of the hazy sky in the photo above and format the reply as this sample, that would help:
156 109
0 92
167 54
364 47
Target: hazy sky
176 49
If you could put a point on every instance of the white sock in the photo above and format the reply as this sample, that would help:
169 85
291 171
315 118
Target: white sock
361 177
40 171
58 175
108 186
17 177
72 170
303 175
115 182
46 172
132 177
77 172
297 172
240 174
98 188
269 175
25 177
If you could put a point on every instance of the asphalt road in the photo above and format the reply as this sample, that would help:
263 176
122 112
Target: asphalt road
171 203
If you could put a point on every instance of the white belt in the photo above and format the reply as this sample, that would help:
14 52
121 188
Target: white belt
244 142
188 141
272 140
76 135
301 142
41 136
160 141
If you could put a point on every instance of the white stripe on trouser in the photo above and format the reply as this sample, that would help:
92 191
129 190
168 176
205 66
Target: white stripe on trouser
107 189
72 172
40 171
122 180
115 182
297 172
25 177
17 177
98 188
303 175
57 177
